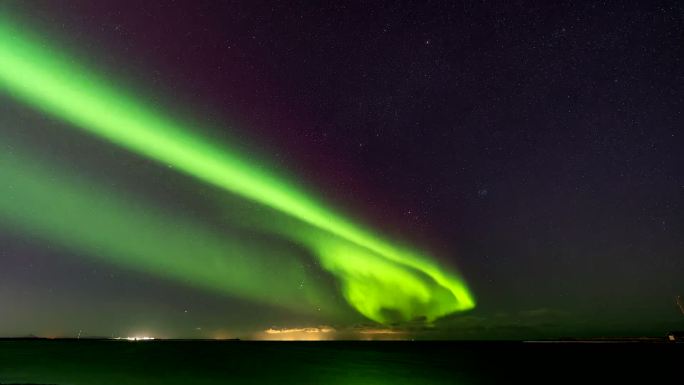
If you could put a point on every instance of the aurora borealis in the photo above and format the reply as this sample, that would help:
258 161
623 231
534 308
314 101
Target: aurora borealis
384 282
266 170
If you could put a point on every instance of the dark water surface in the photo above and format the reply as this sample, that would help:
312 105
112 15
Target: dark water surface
103 362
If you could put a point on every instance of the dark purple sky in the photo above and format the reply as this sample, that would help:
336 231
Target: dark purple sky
536 146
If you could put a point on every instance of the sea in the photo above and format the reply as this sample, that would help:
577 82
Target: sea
170 362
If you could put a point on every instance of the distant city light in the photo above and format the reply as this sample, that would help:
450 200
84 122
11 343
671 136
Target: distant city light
142 338
324 329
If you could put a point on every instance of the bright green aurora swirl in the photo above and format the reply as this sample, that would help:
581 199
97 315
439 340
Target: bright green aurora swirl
380 279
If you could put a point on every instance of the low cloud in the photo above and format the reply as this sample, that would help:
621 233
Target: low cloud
524 324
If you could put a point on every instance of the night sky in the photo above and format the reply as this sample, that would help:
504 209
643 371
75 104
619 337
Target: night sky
532 150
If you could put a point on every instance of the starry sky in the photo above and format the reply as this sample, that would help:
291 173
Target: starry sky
534 150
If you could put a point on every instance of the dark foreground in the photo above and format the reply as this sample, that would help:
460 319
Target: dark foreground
103 362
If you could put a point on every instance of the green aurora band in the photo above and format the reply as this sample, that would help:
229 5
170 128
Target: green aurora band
48 201
383 281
